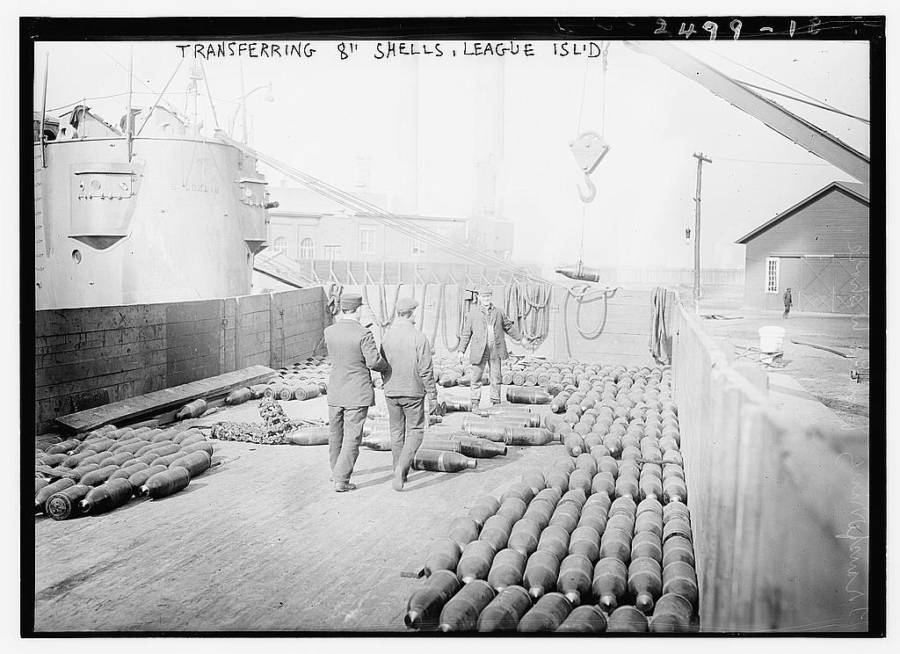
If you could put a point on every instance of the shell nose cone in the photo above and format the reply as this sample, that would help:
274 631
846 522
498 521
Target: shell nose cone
413 619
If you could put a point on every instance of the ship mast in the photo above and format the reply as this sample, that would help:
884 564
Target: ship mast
193 92
44 107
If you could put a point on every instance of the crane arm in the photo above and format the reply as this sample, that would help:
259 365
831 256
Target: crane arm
814 139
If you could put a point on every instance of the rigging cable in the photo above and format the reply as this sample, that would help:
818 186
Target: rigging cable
824 105
397 223
813 104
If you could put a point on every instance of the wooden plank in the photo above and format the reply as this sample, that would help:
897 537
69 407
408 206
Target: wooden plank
205 326
226 353
288 299
160 401
51 322
253 344
64 374
88 356
199 349
101 381
253 303
193 311
254 322
105 338
193 368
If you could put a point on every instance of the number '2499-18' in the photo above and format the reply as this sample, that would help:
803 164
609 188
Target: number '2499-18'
712 28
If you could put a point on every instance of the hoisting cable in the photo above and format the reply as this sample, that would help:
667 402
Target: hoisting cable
604 66
582 292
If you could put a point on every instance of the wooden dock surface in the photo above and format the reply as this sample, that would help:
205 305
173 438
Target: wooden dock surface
261 542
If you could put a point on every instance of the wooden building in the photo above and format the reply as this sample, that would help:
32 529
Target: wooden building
819 248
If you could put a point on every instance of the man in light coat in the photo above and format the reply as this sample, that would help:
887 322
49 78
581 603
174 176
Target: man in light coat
408 383
353 353
484 333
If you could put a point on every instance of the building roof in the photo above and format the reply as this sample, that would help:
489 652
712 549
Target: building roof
859 191
306 203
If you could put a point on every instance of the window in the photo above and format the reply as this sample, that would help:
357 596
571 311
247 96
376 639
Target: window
772 275
281 245
332 252
366 241
306 248
418 246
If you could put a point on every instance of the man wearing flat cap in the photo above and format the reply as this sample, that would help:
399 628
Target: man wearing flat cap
353 353
484 333
408 382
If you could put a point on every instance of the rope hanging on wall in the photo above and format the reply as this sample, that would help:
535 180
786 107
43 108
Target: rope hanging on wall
382 317
437 317
584 295
537 317
461 308
527 303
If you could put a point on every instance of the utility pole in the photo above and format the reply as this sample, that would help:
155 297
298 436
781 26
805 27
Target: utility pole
700 159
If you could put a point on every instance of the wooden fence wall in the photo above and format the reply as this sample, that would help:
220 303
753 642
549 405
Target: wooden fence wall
622 321
780 516
85 358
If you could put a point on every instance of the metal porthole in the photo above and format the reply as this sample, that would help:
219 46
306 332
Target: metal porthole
76 256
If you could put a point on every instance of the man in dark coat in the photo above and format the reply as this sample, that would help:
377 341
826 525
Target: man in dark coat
353 353
484 333
788 302
408 382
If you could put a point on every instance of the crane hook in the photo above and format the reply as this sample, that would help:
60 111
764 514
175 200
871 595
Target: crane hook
592 190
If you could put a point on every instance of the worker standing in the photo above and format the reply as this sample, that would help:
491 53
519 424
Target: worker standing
353 353
485 329
788 302
408 383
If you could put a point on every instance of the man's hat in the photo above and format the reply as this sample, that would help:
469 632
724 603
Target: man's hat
484 290
405 304
351 301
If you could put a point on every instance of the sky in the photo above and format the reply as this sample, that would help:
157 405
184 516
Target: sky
420 125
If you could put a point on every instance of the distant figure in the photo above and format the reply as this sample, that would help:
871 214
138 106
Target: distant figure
788 302
408 383
485 329
353 354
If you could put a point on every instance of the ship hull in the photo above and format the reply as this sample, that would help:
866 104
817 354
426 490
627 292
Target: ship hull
181 221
